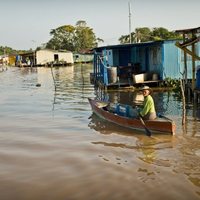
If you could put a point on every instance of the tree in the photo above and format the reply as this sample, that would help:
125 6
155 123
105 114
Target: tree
124 39
99 40
85 37
9 50
63 38
160 33
142 34
73 38
145 34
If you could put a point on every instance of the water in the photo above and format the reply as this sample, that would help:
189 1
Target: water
53 147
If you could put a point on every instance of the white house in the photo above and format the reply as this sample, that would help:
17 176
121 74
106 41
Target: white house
46 56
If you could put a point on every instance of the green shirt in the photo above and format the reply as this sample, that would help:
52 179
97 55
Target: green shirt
148 106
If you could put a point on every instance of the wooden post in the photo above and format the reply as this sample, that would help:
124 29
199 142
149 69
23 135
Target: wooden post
185 64
183 100
53 76
193 63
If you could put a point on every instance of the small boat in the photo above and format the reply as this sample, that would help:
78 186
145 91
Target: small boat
161 124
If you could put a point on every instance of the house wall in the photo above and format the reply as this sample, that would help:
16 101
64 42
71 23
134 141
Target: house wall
173 65
46 56
155 59
149 57
124 56
138 55
65 56
109 54
83 58
12 60
115 57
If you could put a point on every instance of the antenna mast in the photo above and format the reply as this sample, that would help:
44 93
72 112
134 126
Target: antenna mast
129 6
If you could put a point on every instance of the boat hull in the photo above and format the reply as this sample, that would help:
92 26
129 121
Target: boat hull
159 125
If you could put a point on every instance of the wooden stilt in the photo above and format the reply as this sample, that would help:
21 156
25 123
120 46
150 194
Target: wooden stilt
183 100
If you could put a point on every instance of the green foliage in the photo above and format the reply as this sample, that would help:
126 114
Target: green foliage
172 83
146 34
63 38
73 38
6 50
9 50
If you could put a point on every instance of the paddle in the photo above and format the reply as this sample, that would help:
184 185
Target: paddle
148 132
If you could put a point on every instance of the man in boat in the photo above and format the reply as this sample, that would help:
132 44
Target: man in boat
148 111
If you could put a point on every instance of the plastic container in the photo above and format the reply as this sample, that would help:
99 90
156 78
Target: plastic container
112 75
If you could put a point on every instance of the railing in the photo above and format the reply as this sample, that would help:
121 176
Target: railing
100 69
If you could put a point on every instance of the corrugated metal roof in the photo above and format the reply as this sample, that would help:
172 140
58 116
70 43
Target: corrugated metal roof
189 30
150 43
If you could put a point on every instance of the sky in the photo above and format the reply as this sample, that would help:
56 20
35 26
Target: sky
26 24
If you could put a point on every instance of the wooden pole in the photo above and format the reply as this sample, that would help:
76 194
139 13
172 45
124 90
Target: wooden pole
129 5
185 63
193 64
53 76
183 101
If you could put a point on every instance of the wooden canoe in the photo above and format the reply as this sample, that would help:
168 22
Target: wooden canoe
159 125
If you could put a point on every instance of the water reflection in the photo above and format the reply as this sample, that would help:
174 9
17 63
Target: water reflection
59 153
164 101
160 151
145 145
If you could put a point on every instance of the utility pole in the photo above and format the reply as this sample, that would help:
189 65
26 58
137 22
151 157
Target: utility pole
34 54
129 6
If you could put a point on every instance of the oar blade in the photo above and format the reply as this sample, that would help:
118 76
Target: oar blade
148 132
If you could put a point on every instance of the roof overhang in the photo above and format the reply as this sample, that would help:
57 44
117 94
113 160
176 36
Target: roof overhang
190 30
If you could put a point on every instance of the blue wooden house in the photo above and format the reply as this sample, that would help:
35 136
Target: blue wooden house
122 62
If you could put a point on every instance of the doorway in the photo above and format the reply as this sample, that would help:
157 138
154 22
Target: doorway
56 59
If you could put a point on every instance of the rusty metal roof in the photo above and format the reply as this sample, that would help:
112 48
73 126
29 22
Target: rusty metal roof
190 30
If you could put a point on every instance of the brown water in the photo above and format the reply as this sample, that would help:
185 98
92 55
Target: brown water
52 147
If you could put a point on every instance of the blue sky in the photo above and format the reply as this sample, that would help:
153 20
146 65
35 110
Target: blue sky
26 24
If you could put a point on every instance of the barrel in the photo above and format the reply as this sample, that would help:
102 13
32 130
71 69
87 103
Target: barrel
198 79
112 74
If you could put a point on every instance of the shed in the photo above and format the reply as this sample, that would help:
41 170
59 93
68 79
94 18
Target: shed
83 57
46 56
160 57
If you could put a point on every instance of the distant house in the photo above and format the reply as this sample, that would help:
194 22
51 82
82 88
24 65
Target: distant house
83 57
46 56
162 58
25 59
